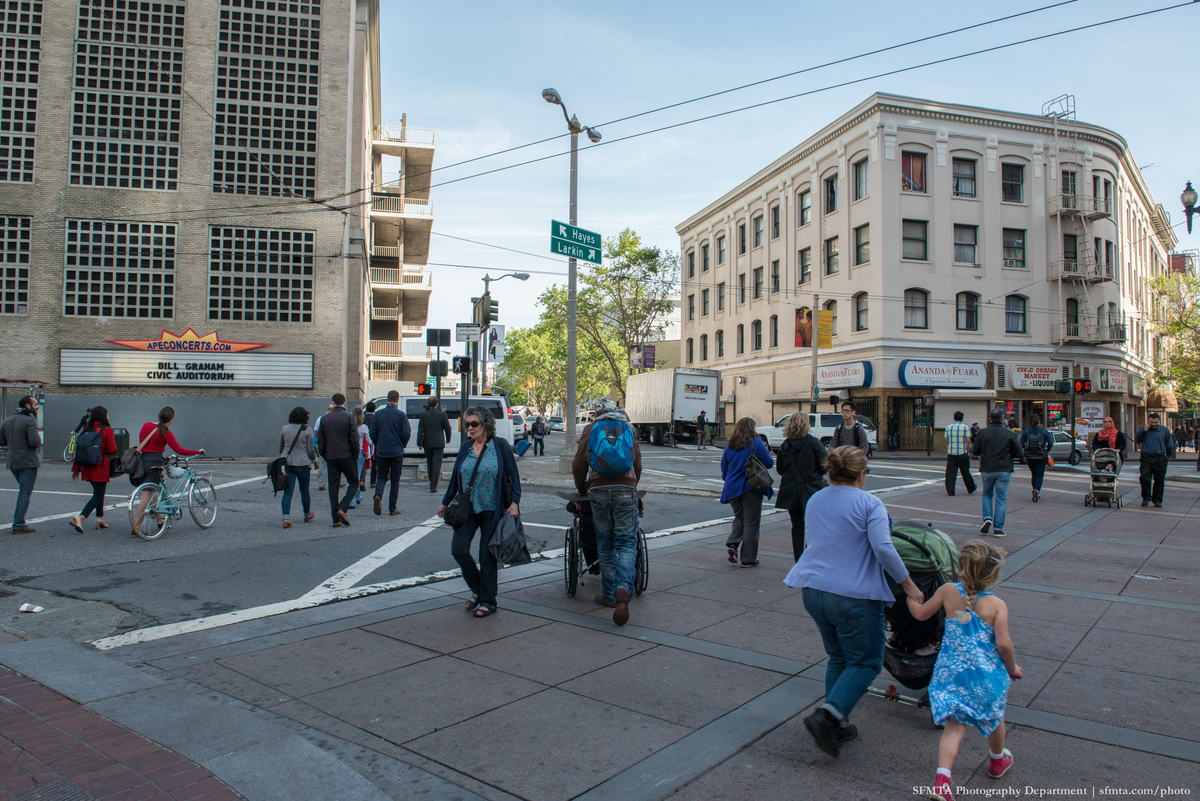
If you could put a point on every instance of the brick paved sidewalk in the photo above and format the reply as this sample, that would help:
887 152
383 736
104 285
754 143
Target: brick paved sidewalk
54 748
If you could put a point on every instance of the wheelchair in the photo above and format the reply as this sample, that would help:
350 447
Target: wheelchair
575 566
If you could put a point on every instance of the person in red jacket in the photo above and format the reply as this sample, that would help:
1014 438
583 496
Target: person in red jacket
96 474
152 452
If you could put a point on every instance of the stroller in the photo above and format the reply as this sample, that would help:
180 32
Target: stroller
1106 478
912 649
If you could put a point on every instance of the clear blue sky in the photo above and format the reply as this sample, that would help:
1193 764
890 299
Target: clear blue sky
475 71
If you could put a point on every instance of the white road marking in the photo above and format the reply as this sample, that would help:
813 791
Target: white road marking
544 525
49 492
663 473
375 560
925 509
906 486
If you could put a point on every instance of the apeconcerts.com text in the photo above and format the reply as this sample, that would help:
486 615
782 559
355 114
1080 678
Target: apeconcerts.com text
1060 792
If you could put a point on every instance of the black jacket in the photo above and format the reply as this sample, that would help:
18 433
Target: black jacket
433 429
338 437
997 447
801 463
1121 444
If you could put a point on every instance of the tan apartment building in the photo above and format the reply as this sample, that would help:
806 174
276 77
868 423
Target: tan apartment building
190 191
966 253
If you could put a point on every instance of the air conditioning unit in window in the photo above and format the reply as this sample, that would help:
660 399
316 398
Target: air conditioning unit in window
1012 262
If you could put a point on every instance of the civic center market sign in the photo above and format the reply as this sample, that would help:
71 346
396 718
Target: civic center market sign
185 360
850 374
1034 376
965 375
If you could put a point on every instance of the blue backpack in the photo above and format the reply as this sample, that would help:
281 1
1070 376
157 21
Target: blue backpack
611 448
89 448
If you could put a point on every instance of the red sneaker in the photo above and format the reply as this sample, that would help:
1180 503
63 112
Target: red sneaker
998 767
941 789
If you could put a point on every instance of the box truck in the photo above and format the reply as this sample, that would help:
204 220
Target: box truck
663 404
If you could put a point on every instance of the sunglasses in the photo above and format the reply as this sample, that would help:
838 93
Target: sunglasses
473 424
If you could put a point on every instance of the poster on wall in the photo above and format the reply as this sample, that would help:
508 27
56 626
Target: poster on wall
804 327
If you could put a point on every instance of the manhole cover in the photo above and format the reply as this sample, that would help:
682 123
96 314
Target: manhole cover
60 790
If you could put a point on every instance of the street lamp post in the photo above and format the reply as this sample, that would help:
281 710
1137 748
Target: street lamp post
569 413
1188 199
487 298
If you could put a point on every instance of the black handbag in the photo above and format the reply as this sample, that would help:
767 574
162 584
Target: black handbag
757 475
459 509
277 469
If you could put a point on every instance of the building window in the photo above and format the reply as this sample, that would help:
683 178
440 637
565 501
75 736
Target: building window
1014 314
704 347
741 287
916 308
860 311
964 177
719 345
691 307
691 259
1014 247
775 222
965 237
758 282
1070 188
741 238
758 231
967 311
119 269
912 172
704 302
721 296
862 244
1110 258
756 335
805 208
831 194
1108 197
720 250
704 258
1012 183
805 260
831 307
262 275
691 356
1071 253
915 240
14 264
774 330
1073 317
831 256
861 185
775 276
19 94
741 339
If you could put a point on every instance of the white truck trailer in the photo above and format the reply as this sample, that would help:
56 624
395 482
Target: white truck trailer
663 404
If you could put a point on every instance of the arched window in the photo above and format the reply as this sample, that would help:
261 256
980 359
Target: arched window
916 308
1072 311
756 335
966 311
704 347
741 339
1114 321
831 307
690 354
1014 314
719 345
860 311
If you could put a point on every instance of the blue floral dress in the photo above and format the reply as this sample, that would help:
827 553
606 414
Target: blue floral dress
970 681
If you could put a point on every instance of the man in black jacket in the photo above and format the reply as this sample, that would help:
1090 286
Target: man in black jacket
996 446
338 444
433 432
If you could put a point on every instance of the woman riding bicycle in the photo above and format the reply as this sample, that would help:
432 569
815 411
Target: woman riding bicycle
153 458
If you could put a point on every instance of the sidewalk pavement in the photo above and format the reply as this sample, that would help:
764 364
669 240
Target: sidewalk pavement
700 697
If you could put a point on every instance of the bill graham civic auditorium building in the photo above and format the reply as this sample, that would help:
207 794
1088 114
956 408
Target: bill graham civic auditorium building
194 212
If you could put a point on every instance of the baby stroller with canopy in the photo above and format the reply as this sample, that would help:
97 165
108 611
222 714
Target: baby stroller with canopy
912 648
1106 478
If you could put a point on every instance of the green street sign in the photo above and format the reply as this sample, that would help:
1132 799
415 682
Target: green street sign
573 242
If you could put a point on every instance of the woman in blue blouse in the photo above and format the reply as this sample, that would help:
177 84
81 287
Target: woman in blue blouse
746 503
496 492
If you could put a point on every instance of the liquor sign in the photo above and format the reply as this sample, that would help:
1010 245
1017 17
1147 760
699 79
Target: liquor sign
166 370
1033 376
1113 381
850 374
965 375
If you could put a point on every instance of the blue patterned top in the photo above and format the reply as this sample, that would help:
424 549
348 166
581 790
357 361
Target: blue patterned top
483 494
956 439
970 681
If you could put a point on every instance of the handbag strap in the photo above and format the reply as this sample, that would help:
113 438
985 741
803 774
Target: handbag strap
478 461
147 439
295 438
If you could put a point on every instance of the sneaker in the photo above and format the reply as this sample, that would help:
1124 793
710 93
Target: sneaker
1036 495
755 563
1158 504
621 612
987 526
941 789
378 504
1145 501
998 767
1000 533
823 728
846 733
732 550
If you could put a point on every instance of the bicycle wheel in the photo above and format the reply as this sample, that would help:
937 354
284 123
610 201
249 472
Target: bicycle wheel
202 501
571 558
153 522
641 575
69 451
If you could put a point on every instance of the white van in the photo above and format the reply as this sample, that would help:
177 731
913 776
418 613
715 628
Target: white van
821 426
413 405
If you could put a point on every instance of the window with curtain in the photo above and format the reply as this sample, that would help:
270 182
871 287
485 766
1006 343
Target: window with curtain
915 234
964 177
804 208
1012 183
967 311
862 244
965 241
916 308
912 172
805 260
831 256
1014 248
1014 314
861 185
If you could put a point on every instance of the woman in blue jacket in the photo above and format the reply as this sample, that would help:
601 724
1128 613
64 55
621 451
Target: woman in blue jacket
495 493
745 502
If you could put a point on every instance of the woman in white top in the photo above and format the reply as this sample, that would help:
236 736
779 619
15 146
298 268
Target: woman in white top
364 453
300 459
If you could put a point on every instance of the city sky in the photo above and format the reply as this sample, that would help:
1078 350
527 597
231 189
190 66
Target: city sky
475 75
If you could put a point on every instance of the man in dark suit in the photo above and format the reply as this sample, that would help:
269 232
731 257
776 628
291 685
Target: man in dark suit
338 444
390 432
433 432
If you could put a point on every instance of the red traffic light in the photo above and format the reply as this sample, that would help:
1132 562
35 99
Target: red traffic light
424 389
1082 386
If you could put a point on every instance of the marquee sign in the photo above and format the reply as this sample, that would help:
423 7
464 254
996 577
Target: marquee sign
167 370
188 342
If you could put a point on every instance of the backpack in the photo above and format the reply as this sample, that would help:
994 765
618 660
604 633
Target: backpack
1035 446
89 448
757 475
277 469
854 432
610 448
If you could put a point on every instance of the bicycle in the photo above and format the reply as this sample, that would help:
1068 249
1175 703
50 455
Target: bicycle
573 561
157 506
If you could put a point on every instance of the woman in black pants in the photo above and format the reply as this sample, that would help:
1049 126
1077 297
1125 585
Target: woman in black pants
95 474
801 464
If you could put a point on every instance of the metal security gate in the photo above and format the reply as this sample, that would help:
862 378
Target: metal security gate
869 407
913 432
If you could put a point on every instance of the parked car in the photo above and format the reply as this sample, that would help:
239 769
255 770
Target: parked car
821 426
1061 452
557 424
520 426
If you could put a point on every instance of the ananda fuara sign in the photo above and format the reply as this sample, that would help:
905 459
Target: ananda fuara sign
965 375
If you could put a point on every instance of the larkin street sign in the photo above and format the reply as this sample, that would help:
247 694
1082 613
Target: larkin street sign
573 242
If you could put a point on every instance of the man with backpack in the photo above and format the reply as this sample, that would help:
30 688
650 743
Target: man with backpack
850 432
607 468
1036 442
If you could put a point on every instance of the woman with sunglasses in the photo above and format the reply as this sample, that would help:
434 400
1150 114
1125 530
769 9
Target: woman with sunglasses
496 491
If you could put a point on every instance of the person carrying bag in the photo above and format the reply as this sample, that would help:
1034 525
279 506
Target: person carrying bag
131 461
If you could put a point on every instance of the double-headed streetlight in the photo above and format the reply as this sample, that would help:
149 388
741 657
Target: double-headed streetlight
1188 199
569 413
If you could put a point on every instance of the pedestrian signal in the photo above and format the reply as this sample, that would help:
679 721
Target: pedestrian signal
1083 386
424 389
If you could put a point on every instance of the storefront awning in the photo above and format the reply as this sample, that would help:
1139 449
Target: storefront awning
964 394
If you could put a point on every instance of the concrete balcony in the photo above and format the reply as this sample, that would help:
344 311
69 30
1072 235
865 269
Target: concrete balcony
394 206
398 350
1076 205
407 278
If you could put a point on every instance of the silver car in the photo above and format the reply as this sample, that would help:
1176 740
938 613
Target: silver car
1062 452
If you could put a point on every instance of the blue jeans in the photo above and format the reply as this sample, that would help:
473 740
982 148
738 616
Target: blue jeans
893 442
362 460
998 483
25 476
852 631
297 476
389 466
1037 471
615 515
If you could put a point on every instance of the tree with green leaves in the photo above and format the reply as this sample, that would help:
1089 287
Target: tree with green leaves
534 369
1179 324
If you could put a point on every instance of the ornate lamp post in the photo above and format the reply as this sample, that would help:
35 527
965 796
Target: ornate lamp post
1188 199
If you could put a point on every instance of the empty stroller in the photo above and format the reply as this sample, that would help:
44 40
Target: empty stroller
1106 478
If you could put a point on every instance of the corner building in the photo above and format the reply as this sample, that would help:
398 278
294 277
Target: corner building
187 192
966 253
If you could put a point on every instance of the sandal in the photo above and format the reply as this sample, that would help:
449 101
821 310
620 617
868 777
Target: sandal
484 611
472 604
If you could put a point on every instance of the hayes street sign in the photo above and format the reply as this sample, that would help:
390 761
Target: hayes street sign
573 242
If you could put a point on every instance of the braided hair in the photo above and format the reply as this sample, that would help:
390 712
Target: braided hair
979 566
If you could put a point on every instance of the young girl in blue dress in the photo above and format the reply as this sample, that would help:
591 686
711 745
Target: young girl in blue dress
971 677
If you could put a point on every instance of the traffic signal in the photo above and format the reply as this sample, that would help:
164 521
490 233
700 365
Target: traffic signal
1063 386
424 389
492 313
1082 386
462 365
437 368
